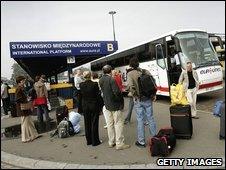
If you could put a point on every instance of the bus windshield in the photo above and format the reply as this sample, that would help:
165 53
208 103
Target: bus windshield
196 47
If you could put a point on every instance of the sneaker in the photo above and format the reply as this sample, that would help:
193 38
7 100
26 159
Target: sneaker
105 126
140 145
112 146
122 147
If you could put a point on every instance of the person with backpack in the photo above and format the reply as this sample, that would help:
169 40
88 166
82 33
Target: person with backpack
143 89
113 104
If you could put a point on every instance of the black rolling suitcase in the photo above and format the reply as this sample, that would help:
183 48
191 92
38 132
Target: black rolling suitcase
181 121
61 113
222 122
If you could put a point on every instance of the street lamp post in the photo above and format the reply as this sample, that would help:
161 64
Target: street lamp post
112 15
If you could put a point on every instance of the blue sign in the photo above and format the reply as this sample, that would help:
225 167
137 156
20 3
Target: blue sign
63 48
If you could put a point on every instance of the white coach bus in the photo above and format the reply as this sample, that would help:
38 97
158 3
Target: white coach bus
156 56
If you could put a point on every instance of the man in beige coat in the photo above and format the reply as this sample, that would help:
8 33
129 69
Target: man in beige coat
190 81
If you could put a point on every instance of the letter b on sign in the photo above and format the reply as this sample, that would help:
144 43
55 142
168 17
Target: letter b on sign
110 47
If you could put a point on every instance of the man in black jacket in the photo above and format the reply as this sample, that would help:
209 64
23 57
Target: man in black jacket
114 103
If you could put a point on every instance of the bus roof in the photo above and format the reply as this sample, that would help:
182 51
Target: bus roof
174 32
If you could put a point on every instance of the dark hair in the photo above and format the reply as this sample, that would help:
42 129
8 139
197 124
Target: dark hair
107 69
37 78
134 62
43 76
94 75
19 79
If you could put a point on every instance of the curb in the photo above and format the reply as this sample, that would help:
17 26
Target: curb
41 164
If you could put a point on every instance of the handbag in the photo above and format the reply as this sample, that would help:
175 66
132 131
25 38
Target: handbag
40 101
26 106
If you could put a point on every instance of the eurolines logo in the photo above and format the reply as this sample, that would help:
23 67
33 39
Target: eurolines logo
210 70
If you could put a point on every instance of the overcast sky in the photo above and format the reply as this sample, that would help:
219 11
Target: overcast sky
135 22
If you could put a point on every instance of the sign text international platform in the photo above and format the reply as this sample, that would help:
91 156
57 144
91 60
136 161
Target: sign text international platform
62 48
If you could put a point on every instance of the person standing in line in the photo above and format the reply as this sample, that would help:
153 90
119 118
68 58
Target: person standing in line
77 80
114 103
90 93
189 79
143 104
96 79
28 131
5 97
131 105
118 78
131 102
47 85
41 100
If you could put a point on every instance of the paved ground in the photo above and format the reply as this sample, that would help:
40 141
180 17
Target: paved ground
8 166
204 143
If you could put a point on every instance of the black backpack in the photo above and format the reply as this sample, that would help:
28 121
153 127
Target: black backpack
147 85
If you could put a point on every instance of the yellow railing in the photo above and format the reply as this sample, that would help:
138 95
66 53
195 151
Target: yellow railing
12 90
60 85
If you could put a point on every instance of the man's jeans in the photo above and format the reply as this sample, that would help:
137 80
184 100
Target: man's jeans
144 108
40 110
130 110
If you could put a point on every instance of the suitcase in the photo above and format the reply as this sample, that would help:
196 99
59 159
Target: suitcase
222 122
181 121
61 113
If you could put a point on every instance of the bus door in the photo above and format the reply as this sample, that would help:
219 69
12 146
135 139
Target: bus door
162 78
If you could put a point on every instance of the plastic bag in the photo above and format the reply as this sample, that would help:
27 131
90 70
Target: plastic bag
177 95
75 118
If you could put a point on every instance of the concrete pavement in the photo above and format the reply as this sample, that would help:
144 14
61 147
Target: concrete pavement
73 152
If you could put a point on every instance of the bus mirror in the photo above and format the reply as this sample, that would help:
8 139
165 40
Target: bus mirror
220 43
177 45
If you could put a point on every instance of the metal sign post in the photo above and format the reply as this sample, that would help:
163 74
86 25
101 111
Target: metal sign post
70 61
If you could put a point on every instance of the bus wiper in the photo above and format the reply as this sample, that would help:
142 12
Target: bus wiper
203 64
207 63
